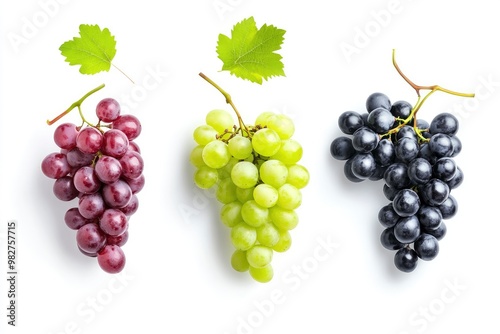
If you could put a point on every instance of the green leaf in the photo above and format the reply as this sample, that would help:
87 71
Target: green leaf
93 50
250 52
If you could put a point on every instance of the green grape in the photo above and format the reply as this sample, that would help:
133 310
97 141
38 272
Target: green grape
266 142
230 213
265 195
282 124
259 256
284 242
216 154
283 219
205 177
262 275
289 197
268 235
195 157
274 173
290 152
245 174
239 261
244 194
240 147
226 191
243 236
204 134
253 214
263 117
220 120
298 176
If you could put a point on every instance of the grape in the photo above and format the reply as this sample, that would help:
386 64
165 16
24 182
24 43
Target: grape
415 162
266 142
86 181
239 261
257 176
129 125
216 154
350 121
377 100
108 110
55 165
64 189
111 259
101 166
65 136
115 143
108 169
89 140
220 120
259 256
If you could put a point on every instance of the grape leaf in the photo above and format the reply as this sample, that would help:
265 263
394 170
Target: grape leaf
250 52
93 50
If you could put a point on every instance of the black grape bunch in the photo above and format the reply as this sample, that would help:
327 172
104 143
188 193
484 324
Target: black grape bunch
414 159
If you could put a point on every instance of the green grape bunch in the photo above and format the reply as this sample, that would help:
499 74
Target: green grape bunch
258 179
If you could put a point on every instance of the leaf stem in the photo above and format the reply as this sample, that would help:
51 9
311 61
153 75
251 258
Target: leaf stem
76 104
228 101
123 73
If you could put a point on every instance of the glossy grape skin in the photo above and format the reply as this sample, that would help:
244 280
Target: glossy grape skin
449 207
132 164
376 100
65 135
363 165
64 189
129 125
86 180
435 192
444 123
406 203
406 259
111 259
407 229
444 169
55 165
456 180
350 121
116 194
389 241
113 222
108 110
380 120
108 169
114 143
430 217
365 140
74 220
419 171
89 140
384 154
341 148
426 246
90 238
401 109
406 149
396 176
91 206
387 216
348 172
441 145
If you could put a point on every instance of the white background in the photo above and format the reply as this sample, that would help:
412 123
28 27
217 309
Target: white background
178 278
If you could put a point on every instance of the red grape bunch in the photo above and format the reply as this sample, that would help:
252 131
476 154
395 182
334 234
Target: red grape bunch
101 167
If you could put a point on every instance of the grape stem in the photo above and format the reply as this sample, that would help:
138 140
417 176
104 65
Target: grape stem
228 101
77 104
420 99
